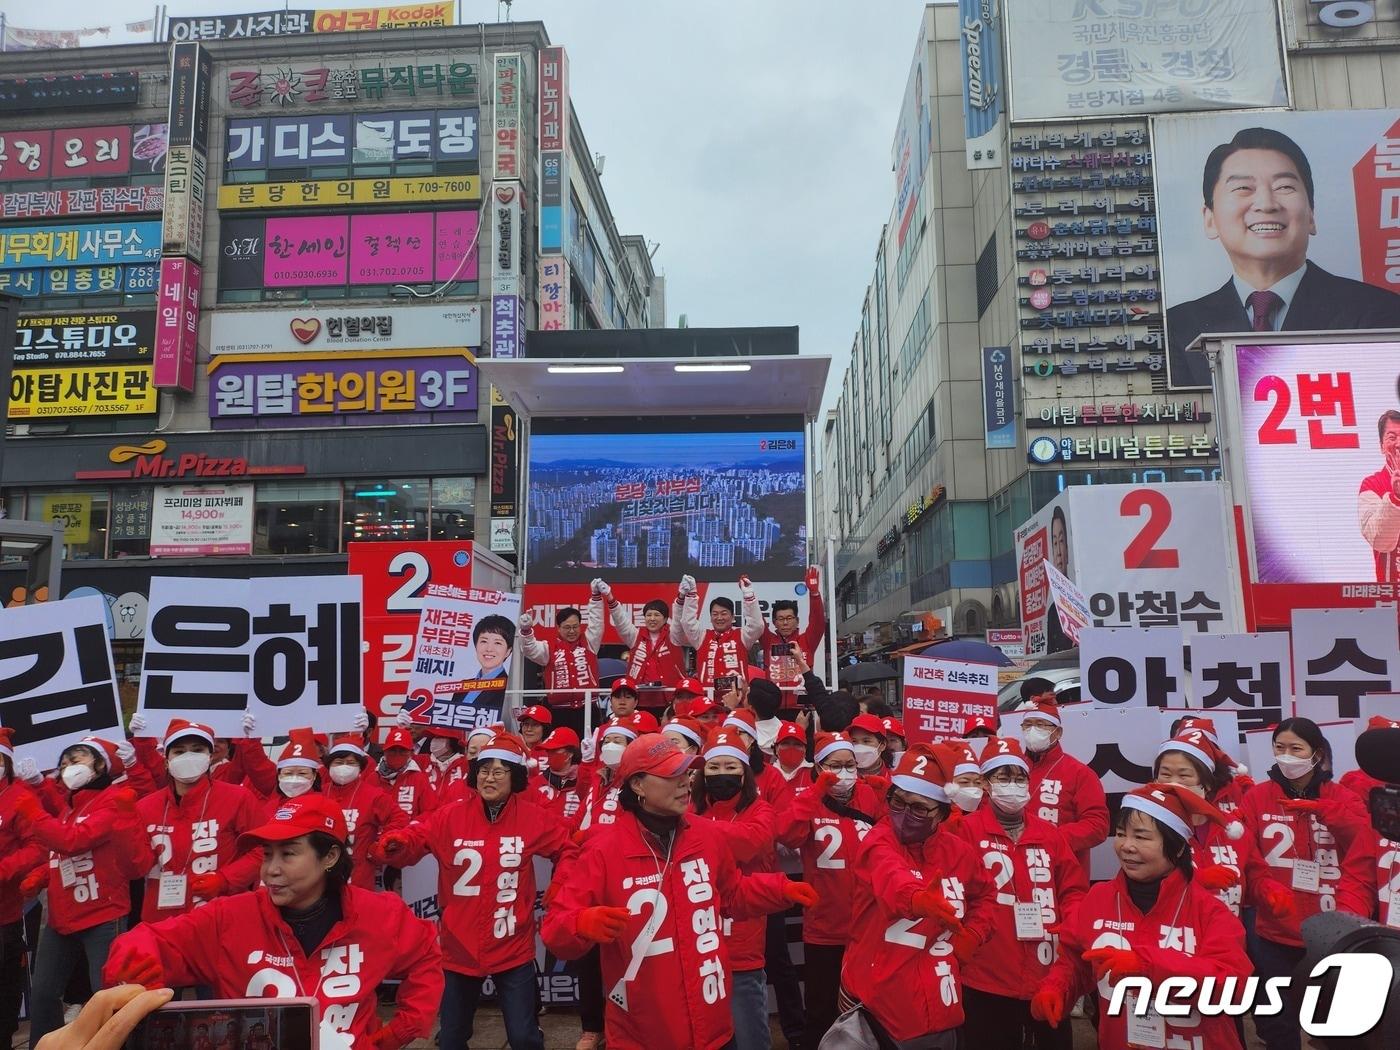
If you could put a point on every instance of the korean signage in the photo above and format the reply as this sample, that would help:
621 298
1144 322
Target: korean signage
130 515
347 138
81 90
97 152
941 695
554 146
1335 178
1127 414
1244 673
78 280
320 389
507 326
96 243
1010 640
980 29
283 87
317 192
1340 655
507 238
182 225
54 392
461 657
504 454
506 115
177 323
1073 59
1132 667
309 20
554 293
202 519
155 459
191 73
322 327
322 250
99 200
998 397
73 511
1326 25
84 338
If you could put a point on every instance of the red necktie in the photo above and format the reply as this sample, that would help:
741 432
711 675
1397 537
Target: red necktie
1263 305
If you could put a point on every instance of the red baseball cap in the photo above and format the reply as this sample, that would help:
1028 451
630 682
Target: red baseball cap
296 817
653 753
561 738
625 682
536 713
703 707
976 722
893 726
691 686
790 732
869 723
398 736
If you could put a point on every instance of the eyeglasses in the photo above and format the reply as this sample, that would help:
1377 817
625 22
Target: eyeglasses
899 803
838 767
492 772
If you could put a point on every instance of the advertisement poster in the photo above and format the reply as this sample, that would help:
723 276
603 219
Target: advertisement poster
72 510
84 338
327 326
99 200
1302 213
97 243
1070 603
653 503
202 519
87 390
999 396
1010 640
109 149
913 142
1045 536
941 695
461 657
1074 59
983 82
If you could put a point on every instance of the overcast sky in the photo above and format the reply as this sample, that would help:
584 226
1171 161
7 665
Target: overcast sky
751 139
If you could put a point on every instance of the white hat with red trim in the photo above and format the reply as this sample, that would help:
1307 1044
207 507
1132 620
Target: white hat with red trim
725 743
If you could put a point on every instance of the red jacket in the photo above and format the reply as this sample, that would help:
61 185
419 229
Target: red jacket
1068 794
782 668
96 845
679 994
1188 933
1379 512
411 790
750 834
600 805
1038 867
564 800
1283 837
247 764
242 948
1229 797
18 855
443 775
1211 845
773 787
1361 783
194 835
369 812
902 967
1371 879
828 844
486 879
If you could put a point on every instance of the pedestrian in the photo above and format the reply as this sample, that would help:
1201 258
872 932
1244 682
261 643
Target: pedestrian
602 804
1064 790
19 858
1232 780
686 733
773 787
895 741
446 762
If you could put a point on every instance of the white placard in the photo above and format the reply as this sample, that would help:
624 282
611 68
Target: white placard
1132 666
202 519
343 327
57 684
1246 673
941 695
1339 655
1069 601
462 656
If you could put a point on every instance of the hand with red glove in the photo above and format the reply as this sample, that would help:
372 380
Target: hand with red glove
33 883
129 964
1278 899
813 579
28 807
1048 1005
1324 809
385 1039
1217 877
808 803
124 801
929 903
602 924
965 942
1117 962
209 885
801 893
390 843
1245 782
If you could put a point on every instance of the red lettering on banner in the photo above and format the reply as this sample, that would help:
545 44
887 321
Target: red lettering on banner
1321 395
1376 182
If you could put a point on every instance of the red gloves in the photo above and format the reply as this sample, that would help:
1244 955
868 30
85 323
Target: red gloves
602 924
929 903
209 885
128 964
813 578
965 942
808 804
800 893
385 1039
1048 1005
1245 782
1278 899
125 801
33 883
1326 810
389 843
1120 962
29 807
1218 877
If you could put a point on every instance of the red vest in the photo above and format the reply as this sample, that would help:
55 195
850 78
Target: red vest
722 654
570 667
655 660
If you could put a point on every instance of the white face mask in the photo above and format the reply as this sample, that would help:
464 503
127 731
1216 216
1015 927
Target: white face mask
188 766
867 755
439 747
1010 798
978 745
611 753
894 756
344 774
1036 738
294 786
845 783
76 776
965 797
1291 766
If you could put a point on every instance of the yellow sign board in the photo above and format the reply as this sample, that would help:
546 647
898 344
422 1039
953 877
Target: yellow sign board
94 390
73 510
233 196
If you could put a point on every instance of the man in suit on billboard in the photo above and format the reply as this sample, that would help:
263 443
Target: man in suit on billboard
1258 203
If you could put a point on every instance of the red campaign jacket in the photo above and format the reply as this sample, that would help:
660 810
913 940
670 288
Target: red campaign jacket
773 787
750 834
96 848
1370 884
828 845
486 879
18 854
903 968
194 835
568 667
1282 837
1360 783
565 801
247 764
1068 794
412 790
1211 845
1229 797
600 805
242 948
1188 933
679 995
441 777
369 812
783 669
1038 867
1379 513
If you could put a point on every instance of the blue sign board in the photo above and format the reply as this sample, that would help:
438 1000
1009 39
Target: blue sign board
98 243
998 397
980 29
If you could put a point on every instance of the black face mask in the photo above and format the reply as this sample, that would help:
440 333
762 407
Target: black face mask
723 786
910 828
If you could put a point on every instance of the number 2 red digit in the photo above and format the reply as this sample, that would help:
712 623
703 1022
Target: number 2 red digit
1143 552
1271 432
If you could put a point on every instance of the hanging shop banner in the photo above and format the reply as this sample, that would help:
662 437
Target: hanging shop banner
287 86
202 519
177 323
941 695
998 397
1072 59
347 138
1245 673
331 389
69 392
294 22
97 243
1133 666
77 280
554 147
77 91
507 326
310 194
284 649
100 200
507 219
506 114
554 293
57 682
980 30
505 452
331 327
182 225
75 153
1339 656
84 338
72 510
461 657
191 77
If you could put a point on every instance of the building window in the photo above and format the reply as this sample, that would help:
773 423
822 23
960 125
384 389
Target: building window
296 517
83 513
452 508
987 275
394 509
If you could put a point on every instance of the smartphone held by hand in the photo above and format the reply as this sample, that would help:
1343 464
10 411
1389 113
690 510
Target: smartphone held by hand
230 1024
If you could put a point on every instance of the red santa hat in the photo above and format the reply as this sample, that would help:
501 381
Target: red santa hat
301 751
790 733
1203 748
1381 722
703 707
536 713
925 770
742 720
505 746
967 758
1043 706
1175 805
107 751
893 726
487 731
1201 724
644 722
869 723
828 743
561 738
347 744
725 743
631 727
688 728
183 727
398 736
7 743
1003 751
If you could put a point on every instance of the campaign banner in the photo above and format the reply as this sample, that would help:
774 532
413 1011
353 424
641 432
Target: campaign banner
913 141
57 682
70 91
1070 603
941 695
1072 60
79 338
74 153
177 323
202 519
508 77
998 397
1133 666
1341 655
1040 626
1327 180
317 389
325 326
96 243
316 192
983 104
81 390
349 138
1249 674
99 200
285 649
461 657
78 280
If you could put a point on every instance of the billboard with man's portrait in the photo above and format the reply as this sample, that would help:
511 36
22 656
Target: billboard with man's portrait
1273 222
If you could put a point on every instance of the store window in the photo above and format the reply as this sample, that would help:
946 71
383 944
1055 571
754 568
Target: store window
296 517
393 509
83 514
452 508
